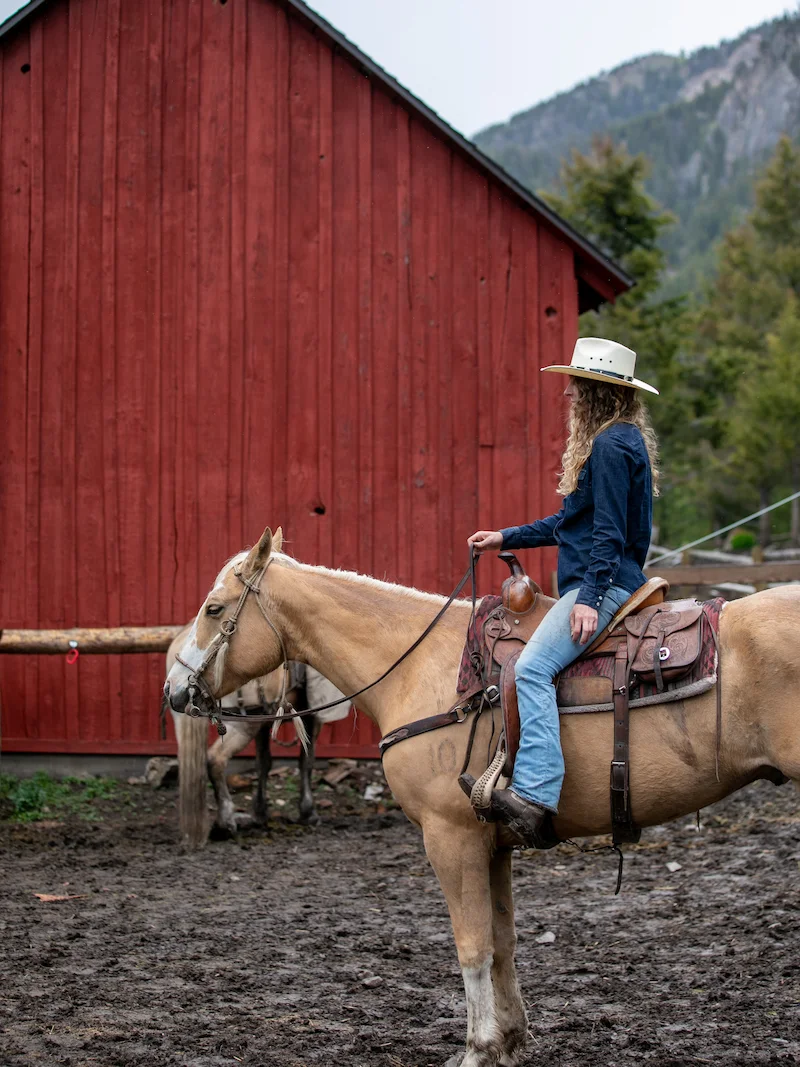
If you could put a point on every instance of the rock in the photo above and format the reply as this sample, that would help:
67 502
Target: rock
373 791
338 770
373 981
237 783
672 866
546 938
161 771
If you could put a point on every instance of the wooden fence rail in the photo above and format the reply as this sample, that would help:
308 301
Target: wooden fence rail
115 639
713 574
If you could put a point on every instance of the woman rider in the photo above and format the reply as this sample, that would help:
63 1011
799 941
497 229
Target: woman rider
602 531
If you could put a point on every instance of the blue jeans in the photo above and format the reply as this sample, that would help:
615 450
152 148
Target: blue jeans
539 766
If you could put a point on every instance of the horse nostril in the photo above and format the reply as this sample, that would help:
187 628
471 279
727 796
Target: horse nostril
166 689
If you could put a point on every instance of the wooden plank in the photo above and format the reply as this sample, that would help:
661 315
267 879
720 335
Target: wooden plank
68 371
159 534
280 371
133 354
107 367
238 309
365 357
172 601
465 382
52 595
442 382
345 315
485 385
385 266
89 639
533 424
93 706
424 355
188 513
552 345
215 409
510 370
15 192
323 511
28 709
405 546
261 240
300 425
781 571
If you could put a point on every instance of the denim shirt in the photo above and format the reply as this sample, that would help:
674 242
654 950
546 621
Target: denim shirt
603 528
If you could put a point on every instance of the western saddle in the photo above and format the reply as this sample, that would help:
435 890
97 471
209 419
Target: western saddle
656 640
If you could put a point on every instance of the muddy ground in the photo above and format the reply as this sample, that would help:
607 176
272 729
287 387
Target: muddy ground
332 946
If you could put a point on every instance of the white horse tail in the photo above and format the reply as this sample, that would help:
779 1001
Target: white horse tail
192 735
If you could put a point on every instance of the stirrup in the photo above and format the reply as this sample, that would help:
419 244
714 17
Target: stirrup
480 791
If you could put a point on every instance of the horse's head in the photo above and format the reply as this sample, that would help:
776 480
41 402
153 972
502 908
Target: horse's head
231 640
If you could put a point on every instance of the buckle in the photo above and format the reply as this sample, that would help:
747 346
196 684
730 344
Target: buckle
492 693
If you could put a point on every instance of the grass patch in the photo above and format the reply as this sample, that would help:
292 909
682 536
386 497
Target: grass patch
43 797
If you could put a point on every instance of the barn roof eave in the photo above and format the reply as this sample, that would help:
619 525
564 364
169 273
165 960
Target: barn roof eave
615 280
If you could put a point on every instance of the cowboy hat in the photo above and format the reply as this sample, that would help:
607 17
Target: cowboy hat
603 361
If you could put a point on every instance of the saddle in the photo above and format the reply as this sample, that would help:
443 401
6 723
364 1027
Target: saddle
648 646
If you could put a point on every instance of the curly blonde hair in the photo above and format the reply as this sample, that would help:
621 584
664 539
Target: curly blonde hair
598 406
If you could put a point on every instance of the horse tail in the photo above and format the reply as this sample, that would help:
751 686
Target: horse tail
192 735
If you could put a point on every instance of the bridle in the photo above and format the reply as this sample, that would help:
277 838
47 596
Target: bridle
198 684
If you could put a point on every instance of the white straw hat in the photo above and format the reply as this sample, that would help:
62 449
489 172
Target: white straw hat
603 361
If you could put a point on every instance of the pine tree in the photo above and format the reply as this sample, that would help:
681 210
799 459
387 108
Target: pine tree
744 388
603 196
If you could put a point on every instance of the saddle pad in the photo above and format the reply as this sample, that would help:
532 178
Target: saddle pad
472 658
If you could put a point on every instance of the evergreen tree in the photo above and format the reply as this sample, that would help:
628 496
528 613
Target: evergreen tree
603 196
744 393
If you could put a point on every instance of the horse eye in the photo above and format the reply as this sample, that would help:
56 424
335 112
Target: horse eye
214 609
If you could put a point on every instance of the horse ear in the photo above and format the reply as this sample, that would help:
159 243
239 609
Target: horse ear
259 554
277 540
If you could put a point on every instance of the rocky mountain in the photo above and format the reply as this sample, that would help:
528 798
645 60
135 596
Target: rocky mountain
706 121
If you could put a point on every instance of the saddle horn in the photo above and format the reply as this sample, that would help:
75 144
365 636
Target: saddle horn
519 591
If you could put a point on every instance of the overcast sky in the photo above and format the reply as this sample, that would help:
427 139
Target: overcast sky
479 61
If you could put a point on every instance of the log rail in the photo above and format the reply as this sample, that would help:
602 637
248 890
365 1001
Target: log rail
89 640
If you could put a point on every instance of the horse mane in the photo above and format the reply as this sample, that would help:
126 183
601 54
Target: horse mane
354 578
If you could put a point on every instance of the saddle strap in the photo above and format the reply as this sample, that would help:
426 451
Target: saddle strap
622 826
423 726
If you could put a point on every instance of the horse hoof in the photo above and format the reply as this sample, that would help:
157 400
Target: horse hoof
218 832
309 818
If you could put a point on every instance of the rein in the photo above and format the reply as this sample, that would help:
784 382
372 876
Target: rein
218 716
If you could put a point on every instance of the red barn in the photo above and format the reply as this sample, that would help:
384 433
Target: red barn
247 278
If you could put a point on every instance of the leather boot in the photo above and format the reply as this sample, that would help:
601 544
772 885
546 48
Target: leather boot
527 823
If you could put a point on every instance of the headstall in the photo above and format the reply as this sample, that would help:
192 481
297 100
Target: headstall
218 716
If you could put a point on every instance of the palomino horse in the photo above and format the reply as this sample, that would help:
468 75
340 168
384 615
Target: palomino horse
197 762
352 628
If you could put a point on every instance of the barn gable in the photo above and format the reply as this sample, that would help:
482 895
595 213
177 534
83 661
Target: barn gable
245 278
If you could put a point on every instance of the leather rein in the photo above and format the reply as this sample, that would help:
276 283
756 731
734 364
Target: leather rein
218 716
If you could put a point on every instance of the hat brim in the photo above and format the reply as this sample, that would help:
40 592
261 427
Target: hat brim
599 376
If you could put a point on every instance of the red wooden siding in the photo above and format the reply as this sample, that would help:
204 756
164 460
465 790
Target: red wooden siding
241 283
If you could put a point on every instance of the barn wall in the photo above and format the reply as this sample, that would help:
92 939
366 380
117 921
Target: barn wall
240 284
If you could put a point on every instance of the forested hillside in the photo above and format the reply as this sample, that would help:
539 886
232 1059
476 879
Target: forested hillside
707 122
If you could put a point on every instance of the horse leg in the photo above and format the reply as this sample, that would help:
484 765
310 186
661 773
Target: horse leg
308 816
461 860
264 765
511 1016
219 755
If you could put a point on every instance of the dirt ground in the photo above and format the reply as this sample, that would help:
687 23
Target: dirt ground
332 946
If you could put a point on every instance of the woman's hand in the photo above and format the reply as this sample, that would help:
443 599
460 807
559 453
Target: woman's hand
486 540
582 623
